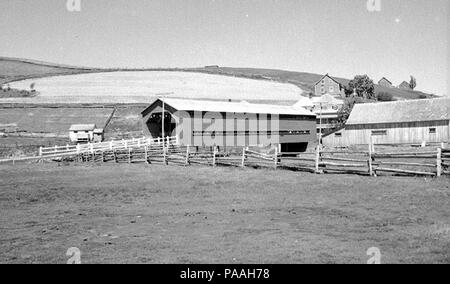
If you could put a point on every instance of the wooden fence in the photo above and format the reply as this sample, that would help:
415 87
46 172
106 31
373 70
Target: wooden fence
417 162
371 163
105 146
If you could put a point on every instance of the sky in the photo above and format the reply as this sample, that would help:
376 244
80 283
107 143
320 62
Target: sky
339 37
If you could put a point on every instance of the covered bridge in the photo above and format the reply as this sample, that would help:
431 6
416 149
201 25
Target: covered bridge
402 122
231 124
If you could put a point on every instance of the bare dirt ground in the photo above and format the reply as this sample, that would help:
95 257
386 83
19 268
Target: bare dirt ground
158 214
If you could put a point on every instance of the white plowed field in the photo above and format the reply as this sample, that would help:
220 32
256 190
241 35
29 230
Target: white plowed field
144 86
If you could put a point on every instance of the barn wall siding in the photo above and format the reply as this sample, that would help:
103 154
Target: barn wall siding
397 133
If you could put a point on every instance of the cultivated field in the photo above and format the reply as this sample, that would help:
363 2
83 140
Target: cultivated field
155 214
145 86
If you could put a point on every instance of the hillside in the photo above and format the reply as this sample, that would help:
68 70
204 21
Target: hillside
13 69
302 79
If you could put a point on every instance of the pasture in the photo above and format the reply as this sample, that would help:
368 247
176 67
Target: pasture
24 130
51 120
145 86
155 214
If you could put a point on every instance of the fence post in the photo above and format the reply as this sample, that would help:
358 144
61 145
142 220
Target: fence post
214 156
276 158
318 160
187 156
370 158
78 148
146 154
40 151
166 162
56 149
243 158
439 162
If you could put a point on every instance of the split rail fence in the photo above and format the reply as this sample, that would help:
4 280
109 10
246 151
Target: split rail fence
420 162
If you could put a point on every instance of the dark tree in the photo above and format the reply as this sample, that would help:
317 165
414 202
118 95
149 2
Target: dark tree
364 86
413 83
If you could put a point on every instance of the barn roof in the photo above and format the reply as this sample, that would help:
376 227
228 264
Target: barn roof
233 107
82 127
400 111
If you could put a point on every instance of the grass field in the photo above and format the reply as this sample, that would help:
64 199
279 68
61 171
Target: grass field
12 69
51 120
126 123
157 214
303 80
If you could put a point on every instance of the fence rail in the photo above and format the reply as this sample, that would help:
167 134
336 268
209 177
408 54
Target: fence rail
372 163
105 146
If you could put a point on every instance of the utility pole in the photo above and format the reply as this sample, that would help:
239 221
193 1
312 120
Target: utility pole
163 117
320 126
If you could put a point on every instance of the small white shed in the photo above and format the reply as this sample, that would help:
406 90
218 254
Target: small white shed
82 133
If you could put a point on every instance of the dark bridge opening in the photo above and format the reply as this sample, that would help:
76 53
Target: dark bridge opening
154 125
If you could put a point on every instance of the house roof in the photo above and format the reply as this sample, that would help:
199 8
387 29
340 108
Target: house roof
400 111
327 99
384 78
334 79
404 83
82 127
304 102
232 107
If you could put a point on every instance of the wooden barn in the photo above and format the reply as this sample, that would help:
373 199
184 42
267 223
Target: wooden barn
231 124
402 122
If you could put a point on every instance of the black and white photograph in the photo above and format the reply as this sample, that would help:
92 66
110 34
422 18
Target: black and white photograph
236 134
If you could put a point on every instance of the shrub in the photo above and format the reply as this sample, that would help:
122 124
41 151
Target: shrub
385 97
